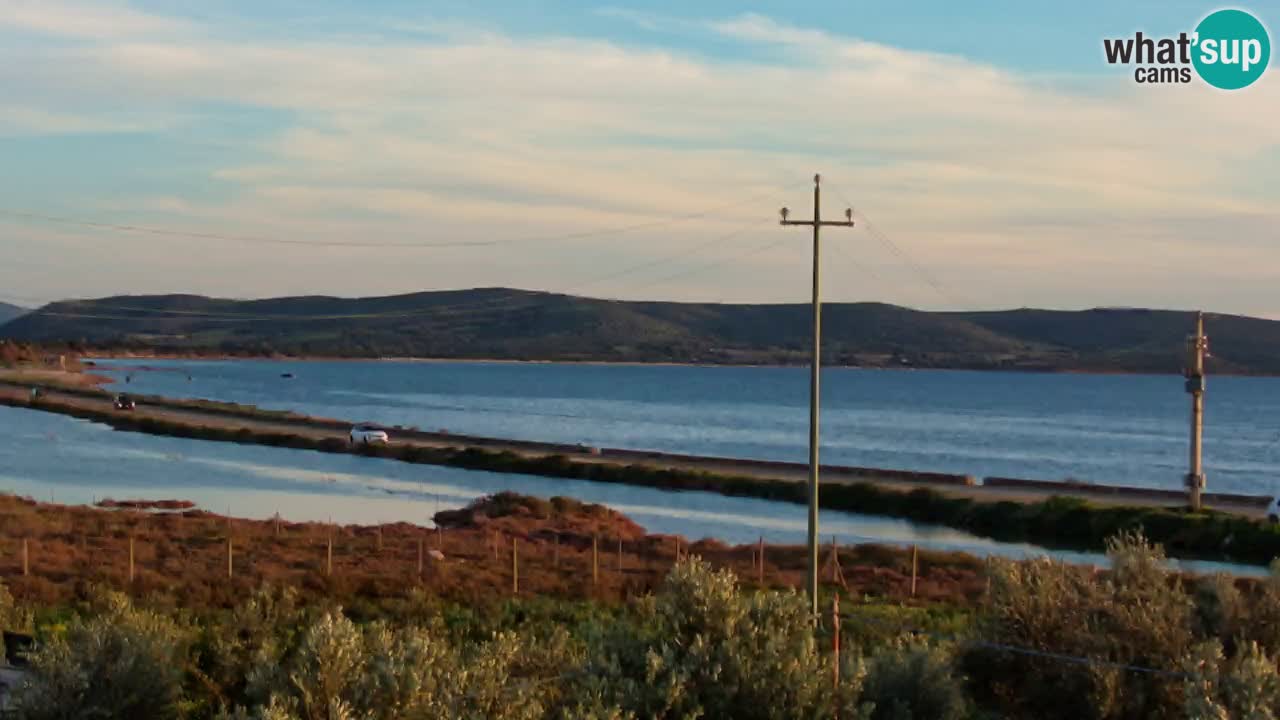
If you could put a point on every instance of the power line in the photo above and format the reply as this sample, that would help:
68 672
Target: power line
927 277
711 266
618 230
495 304
916 267
492 304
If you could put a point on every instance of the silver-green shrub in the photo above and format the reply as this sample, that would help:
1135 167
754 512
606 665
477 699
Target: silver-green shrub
122 663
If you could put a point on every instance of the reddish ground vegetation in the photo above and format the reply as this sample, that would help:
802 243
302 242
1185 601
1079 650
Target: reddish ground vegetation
54 553
110 504
535 518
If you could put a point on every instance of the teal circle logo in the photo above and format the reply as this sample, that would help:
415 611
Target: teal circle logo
1232 49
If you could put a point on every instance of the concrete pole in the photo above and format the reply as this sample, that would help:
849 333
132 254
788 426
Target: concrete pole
815 372
1196 346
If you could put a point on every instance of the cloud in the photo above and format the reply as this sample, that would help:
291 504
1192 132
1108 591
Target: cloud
484 135
85 20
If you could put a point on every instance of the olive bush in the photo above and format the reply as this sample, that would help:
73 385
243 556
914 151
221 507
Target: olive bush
1244 687
701 648
1137 614
912 681
338 671
124 662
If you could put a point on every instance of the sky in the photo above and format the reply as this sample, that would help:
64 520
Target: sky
631 150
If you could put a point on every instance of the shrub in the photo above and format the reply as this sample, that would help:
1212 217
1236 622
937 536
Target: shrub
1138 614
1244 687
337 670
703 649
123 663
912 681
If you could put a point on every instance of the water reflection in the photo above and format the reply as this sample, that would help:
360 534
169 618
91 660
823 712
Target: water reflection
69 460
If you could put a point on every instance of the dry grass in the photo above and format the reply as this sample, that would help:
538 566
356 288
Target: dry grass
183 556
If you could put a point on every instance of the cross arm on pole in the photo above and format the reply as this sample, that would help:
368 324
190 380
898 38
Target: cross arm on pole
816 222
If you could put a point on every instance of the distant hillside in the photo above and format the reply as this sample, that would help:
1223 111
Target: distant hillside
517 324
9 312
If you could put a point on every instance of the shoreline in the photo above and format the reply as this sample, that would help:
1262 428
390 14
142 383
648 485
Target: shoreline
1052 515
91 358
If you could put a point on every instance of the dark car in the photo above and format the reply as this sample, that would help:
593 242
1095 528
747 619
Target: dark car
124 402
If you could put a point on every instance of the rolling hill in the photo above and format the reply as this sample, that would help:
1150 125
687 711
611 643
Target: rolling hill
9 312
501 323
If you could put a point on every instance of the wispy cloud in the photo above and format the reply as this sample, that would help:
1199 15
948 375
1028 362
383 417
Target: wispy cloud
85 20
459 134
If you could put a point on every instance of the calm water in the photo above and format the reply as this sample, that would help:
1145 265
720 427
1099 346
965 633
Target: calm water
1128 429
53 457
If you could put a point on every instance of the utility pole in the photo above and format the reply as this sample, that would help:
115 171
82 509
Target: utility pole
1197 348
815 366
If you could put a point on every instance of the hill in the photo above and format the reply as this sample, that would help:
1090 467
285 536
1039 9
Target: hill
9 312
501 323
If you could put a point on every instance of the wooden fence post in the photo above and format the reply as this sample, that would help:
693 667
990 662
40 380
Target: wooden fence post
915 566
379 538
595 559
328 557
555 558
760 561
515 566
26 558
130 559
230 566
835 640
619 556
419 556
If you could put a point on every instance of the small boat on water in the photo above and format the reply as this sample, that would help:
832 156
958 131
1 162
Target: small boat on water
286 376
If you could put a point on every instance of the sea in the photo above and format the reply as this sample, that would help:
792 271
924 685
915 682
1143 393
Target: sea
1118 429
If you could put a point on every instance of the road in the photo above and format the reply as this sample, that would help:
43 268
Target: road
15 391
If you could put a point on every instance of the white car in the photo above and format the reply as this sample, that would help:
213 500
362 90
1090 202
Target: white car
369 435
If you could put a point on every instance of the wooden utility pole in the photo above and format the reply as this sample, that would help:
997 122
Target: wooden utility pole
915 568
815 367
1197 347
